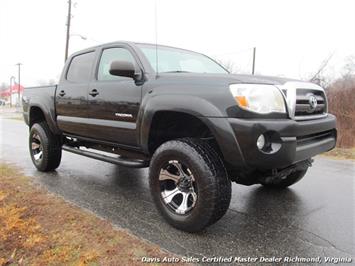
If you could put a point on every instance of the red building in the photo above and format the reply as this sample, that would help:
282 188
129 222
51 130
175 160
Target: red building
12 94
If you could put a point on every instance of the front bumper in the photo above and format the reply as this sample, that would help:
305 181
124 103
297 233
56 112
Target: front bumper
300 140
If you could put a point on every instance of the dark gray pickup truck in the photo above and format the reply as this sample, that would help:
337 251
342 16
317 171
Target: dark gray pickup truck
180 113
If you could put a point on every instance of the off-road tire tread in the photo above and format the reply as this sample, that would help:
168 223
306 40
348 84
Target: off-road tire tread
52 149
224 188
220 185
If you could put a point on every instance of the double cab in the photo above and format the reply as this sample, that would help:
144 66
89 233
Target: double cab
180 113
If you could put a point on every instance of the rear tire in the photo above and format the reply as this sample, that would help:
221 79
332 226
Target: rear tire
45 147
287 181
191 170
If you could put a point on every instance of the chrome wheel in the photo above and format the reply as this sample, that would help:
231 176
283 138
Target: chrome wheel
177 187
36 147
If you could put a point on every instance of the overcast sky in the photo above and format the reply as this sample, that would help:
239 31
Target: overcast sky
292 37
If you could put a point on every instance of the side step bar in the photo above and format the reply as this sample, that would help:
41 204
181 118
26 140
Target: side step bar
124 162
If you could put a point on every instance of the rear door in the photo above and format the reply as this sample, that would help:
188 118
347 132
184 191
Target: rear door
113 102
71 94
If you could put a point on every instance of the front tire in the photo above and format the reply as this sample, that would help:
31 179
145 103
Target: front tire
45 147
189 184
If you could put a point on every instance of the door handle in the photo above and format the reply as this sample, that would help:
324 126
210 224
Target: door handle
61 93
94 92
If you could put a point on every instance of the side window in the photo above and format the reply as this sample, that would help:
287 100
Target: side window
109 55
80 67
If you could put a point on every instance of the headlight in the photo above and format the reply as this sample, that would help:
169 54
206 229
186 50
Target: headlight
258 98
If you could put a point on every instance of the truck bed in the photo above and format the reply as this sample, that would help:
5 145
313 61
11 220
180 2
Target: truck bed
42 97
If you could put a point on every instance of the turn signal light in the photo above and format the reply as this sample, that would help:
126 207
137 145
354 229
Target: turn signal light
242 101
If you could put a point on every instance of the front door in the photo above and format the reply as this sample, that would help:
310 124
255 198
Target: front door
113 102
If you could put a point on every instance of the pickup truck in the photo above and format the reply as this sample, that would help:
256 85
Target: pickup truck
196 126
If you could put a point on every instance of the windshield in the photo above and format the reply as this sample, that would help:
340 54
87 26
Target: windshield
179 61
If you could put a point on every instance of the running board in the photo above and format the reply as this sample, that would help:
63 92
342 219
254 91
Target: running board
119 161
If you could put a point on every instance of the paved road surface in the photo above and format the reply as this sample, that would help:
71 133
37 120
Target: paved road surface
313 218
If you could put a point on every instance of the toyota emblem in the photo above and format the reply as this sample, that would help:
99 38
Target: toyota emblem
312 102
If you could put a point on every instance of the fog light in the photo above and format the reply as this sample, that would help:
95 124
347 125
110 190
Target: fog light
269 142
260 143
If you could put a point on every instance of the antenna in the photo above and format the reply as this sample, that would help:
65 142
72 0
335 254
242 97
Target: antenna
253 67
156 39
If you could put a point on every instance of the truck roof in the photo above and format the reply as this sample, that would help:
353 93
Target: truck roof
128 43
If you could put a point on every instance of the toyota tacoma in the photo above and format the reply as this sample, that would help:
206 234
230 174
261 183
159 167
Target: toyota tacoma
196 126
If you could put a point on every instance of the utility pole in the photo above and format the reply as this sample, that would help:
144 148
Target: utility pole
19 83
253 69
12 79
68 31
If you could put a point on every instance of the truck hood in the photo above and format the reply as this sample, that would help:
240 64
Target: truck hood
224 78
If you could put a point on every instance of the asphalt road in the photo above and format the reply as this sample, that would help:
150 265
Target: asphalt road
313 218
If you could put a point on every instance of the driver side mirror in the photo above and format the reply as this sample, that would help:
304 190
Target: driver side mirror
123 69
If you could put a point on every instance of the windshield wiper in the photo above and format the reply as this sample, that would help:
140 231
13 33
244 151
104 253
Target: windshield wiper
177 71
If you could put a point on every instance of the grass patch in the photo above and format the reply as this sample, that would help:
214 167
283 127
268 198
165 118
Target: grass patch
341 153
37 228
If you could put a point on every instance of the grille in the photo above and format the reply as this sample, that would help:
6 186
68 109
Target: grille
303 107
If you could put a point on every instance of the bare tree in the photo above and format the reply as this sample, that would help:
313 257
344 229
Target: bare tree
318 77
229 65
341 98
349 67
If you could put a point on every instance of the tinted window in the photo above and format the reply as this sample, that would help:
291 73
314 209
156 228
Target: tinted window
109 55
80 67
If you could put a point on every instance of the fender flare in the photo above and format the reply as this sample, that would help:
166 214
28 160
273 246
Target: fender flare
48 116
200 108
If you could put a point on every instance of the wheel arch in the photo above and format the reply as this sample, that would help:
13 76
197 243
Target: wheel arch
156 106
167 125
37 114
